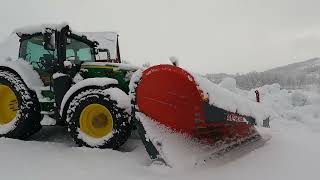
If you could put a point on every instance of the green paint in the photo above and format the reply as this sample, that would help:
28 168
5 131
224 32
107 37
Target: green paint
47 105
48 94
109 72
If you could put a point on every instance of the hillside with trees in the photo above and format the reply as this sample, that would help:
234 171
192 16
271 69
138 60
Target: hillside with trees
293 76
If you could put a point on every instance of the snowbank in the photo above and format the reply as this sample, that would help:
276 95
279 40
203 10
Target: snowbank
299 99
229 83
299 106
225 99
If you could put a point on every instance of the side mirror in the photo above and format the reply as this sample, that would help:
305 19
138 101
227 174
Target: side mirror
49 41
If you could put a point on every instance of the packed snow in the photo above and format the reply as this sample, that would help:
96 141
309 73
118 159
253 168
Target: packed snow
292 152
26 72
39 28
94 142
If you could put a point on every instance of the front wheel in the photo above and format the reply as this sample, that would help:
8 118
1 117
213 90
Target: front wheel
95 118
19 107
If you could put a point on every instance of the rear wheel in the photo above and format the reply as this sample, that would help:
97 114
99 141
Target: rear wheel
19 107
96 120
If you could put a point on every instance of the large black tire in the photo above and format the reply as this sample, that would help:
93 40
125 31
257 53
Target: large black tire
28 117
121 129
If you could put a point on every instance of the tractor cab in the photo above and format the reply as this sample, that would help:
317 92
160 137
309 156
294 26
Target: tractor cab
53 50
58 50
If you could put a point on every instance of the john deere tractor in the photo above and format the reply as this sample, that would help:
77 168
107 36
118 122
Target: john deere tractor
74 80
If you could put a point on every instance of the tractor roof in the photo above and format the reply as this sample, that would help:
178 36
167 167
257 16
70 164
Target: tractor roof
106 40
33 29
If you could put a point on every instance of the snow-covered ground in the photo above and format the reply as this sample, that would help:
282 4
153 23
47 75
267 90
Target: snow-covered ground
292 153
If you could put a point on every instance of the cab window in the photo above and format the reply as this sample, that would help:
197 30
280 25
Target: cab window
32 51
79 51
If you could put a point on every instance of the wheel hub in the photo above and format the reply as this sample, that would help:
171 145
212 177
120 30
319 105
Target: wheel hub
8 104
100 121
96 121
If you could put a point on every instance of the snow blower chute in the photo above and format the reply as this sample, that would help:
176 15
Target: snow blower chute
169 100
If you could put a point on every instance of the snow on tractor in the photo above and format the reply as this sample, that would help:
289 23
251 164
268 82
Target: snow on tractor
83 85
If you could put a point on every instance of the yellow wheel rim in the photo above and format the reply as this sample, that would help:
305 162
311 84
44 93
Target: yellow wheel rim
8 104
96 121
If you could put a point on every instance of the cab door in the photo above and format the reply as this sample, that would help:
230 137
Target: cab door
32 50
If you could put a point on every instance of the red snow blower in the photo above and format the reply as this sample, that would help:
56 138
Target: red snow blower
171 97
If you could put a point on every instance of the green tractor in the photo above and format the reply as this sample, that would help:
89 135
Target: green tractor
71 79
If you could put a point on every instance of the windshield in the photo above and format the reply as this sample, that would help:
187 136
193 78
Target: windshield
79 51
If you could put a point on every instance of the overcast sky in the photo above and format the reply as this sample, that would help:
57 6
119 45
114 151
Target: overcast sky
208 36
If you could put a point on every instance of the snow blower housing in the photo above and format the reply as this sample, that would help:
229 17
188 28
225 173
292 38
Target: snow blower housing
192 105
83 85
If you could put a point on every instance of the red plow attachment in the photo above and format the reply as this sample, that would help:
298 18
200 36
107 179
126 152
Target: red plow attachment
170 97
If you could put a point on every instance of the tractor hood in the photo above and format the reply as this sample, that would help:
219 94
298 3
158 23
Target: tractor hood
119 71
115 66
